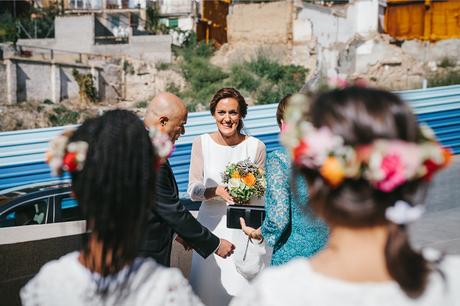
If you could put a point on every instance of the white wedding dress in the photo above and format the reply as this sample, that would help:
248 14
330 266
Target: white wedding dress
214 279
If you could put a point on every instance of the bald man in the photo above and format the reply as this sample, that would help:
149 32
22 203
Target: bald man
168 113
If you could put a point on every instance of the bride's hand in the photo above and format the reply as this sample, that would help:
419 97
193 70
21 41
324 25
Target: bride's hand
222 192
249 231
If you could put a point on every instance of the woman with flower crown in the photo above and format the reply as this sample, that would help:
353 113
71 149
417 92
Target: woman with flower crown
216 280
368 164
113 165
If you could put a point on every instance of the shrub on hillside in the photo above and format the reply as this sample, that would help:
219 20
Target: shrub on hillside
444 79
63 116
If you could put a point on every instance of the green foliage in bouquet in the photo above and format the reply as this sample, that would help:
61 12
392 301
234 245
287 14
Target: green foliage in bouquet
244 180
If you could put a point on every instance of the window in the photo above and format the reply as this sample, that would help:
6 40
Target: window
173 22
70 211
114 20
33 212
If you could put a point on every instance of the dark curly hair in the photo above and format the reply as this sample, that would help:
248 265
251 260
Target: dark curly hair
115 187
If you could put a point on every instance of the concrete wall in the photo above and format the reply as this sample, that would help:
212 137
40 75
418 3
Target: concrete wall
74 33
39 42
268 23
150 47
34 80
173 7
145 47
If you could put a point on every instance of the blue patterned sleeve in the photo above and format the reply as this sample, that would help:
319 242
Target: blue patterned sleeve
277 199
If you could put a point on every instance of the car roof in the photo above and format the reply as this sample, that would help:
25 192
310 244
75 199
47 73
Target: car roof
26 192
36 186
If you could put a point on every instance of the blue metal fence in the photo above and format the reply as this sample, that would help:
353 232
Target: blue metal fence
22 152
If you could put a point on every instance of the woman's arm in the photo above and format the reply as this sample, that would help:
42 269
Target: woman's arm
261 155
196 188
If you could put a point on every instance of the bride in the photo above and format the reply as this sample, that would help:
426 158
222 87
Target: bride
216 280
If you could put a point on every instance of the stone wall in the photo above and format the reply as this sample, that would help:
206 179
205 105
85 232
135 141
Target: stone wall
270 28
333 28
3 84
436 51
269 23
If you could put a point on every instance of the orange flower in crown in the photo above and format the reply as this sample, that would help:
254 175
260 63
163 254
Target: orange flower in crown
332 170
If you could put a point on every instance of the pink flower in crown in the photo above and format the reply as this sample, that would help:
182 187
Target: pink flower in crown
393 171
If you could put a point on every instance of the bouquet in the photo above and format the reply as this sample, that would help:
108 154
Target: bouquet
244 180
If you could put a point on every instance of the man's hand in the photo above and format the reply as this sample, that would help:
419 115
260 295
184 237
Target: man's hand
225 249
186 246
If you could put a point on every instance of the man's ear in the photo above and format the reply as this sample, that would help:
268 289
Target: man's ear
163 120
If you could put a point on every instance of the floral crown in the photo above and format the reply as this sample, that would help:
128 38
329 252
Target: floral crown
63 155
386 164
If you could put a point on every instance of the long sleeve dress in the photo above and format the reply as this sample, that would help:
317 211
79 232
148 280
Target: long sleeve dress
287 228
214 279
298 284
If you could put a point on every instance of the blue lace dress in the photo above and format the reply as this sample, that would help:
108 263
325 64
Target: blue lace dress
286 227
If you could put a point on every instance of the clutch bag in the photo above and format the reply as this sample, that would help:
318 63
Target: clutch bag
252 215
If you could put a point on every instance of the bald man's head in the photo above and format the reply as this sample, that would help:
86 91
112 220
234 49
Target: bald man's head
168 113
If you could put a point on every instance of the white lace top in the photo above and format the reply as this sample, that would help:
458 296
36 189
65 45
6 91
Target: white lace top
295 283
66 282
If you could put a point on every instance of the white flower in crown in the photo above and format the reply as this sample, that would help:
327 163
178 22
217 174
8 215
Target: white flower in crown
55 154
161 142
404 213
427 132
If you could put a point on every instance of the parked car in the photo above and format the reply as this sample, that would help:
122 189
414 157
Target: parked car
41 203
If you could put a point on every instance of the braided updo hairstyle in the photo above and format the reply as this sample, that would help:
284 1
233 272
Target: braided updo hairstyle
360 116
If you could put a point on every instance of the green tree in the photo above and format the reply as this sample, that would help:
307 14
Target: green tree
7 28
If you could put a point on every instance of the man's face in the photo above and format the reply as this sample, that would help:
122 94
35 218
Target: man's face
175 126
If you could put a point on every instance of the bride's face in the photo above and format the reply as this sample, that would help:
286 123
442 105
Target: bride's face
227 115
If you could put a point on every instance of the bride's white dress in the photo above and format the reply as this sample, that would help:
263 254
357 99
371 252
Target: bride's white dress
214 279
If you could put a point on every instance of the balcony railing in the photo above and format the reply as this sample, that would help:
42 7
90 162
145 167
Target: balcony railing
104 4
